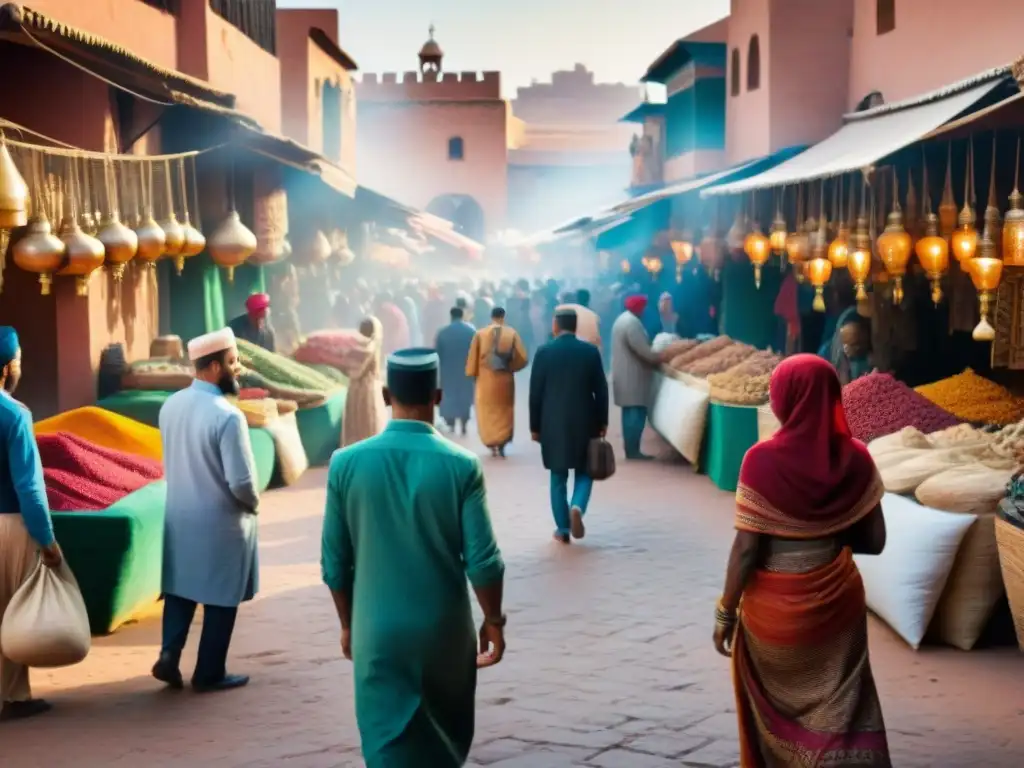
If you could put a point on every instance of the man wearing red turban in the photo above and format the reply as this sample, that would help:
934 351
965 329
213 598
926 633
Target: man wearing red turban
254 326
633 363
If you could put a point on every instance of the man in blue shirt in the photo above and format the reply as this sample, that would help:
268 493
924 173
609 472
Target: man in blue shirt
26 531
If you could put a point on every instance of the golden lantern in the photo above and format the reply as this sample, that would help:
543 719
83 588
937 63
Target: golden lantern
151 237
758 250
120 244
933 253
819 268
174 234
83 254
652 263
232 244
839 249
317 249
625 266
985 270
859 259
947 207
993 221
778 232
712 253
194 241
1013 223
13 200
895 245
965 238
682 250
797 247
40 251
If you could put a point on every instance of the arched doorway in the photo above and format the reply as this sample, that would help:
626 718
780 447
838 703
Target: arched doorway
461 210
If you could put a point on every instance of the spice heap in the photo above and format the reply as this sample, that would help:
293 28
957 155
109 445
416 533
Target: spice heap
878 405
699 352
971 397
720 361
81 476
680 347
106 429
284 379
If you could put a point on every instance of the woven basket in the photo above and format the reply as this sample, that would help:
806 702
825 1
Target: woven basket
167 346
1011 558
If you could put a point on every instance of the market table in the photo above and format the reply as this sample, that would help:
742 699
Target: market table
144 406
117 555
731 430
320 428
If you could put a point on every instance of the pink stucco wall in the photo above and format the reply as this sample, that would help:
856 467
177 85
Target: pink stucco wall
805 54
748 116
934 43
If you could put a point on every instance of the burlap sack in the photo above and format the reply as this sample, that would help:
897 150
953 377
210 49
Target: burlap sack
46 624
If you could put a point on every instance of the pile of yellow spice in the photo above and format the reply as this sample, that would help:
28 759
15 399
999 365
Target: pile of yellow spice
971 397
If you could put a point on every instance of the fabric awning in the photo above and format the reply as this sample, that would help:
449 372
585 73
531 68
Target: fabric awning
389 211
867 137
1008 112
444 231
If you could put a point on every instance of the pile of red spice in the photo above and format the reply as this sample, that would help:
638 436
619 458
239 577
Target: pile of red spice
84 477
253 393
877 405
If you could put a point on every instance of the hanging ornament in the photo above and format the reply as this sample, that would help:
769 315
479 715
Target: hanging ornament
779 232
151 237
174 235
798 243
932 249
317 249
39 251
758 250
1013 224
119 242
993 221
83 253
13 201
89 222
859 260
194 241
895 245
947 206
839 248
232 243
986 268
682 250
737 233
965 238
624 266
819 269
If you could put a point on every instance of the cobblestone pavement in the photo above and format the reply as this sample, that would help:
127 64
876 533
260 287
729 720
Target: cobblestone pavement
610 662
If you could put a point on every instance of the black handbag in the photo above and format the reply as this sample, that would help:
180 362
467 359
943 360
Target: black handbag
600 459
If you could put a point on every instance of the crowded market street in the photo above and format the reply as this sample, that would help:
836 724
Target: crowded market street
610 662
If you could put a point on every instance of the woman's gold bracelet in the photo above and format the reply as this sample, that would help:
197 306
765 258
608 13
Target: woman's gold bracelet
724 617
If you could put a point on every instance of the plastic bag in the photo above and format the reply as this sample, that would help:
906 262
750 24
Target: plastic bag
46 624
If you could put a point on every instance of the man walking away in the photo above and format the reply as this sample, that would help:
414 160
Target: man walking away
568 408
588 324
452 345
254 326
26 530
210 530
406 522
633 363
495 356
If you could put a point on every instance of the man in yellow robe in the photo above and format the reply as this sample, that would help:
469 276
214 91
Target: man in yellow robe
496 354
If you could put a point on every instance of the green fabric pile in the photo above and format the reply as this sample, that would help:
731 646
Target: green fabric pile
282 371
330 372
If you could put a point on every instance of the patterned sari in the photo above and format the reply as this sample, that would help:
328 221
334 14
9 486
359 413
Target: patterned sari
805 696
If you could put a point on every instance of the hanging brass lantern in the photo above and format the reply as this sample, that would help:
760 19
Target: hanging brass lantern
797 247
151 237
231 244
120 244
947 207
819 268
993 221
965 238
174 234
778 233
13 193
932 249
839 248
83 255
859 260
1013 223
758 250
40 251
986 270
712 254
682 249
194 240
624 266
895 245
317 249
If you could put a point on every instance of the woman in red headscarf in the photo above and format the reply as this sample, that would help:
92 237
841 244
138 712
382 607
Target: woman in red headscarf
808 499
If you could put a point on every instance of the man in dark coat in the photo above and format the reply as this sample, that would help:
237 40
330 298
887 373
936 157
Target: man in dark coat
568 408
452 346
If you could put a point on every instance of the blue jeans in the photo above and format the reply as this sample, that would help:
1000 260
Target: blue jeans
634 419
582 485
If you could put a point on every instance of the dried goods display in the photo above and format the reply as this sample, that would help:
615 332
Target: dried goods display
158 374
700 351
336 348
280 370
758 364
680 347
107 429
81 476
739 390
722 360
878 404
971 397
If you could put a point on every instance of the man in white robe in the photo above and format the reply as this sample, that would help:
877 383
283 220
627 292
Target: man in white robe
210 533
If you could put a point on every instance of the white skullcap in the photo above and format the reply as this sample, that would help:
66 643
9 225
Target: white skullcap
209 343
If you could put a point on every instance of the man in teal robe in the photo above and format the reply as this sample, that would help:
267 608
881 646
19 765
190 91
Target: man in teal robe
406 522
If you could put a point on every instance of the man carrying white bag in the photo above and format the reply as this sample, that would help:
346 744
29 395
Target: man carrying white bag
47 613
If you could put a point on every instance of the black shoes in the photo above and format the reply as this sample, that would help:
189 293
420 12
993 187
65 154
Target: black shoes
22 710
226 683
167 672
